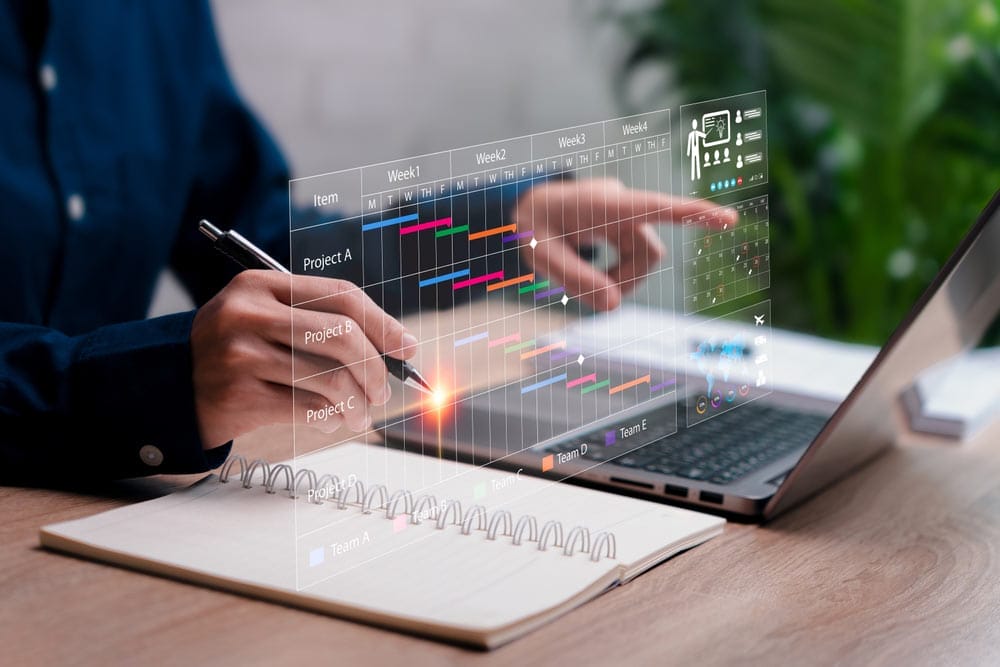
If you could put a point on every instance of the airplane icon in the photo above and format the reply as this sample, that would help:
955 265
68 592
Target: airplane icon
758 320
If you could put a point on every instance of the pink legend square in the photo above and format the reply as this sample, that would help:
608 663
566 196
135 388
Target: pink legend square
399 523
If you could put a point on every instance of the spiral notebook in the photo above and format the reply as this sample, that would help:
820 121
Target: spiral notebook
478 557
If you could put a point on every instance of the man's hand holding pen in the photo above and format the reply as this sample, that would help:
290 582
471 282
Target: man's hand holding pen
242 355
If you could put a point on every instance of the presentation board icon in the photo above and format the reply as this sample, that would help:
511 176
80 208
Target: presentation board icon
715 126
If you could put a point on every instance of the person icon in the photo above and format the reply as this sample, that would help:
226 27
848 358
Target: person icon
717 161
739 117
725 154
708 160
739 138
695 137
739 161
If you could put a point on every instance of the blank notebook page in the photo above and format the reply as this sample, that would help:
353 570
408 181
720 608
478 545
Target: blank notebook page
396 572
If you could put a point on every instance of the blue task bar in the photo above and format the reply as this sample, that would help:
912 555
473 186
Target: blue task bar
472 339
440 279
544 383
389 223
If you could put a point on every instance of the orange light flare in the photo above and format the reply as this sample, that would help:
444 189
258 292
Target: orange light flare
440 398
439 404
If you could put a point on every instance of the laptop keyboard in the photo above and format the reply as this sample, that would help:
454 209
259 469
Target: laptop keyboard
720 450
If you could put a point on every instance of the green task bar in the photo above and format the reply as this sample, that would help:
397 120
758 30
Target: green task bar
532 288
451 230
519 346
595 387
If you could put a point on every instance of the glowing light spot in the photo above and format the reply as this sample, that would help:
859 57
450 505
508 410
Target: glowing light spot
439 398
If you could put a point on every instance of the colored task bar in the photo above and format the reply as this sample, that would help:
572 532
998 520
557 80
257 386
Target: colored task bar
515 337
594 387
663 385
549 292
543 383
564 354
512 281
492 231
519 346
542 350
514 237
443 222
471 339
440 279
584 380
389 223
478 279
628 385
532 288
451 230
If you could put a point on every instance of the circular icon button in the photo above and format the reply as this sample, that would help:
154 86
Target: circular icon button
744 389
716 399
701 405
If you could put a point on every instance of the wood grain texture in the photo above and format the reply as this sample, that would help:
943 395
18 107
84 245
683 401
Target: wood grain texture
898 564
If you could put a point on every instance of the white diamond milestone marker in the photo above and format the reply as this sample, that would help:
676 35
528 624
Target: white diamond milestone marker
564 300
533 243
579 360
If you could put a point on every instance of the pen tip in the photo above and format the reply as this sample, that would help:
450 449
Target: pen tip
421 383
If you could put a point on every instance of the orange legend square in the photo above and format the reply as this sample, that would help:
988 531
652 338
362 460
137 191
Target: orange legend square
548 462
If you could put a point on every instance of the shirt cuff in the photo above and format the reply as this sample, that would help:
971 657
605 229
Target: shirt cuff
132 384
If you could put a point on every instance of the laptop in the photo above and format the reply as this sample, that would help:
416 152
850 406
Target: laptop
750 448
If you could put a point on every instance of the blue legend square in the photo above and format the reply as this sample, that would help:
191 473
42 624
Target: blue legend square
316 557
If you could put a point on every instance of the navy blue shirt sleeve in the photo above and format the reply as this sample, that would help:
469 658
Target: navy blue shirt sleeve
75 405
110 151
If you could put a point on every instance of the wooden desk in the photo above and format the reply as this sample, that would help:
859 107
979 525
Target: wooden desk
898 564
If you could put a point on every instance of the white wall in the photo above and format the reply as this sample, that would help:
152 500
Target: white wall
343 84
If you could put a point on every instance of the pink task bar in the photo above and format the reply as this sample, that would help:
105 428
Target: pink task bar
478 279
425 225
513 338
579 381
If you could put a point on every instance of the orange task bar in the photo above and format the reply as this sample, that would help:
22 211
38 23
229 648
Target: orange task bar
513 281
628 385
561 345
490 232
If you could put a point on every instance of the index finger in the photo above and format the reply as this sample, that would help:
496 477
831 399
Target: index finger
650 207
714 215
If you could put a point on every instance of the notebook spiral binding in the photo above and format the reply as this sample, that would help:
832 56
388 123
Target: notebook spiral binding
448 512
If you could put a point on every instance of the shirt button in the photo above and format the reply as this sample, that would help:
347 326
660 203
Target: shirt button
151 455
47 77
75 207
